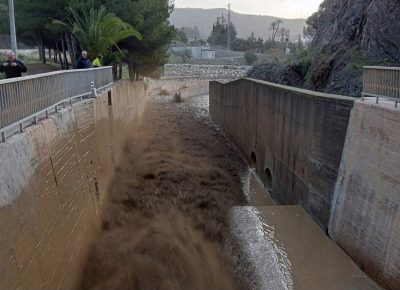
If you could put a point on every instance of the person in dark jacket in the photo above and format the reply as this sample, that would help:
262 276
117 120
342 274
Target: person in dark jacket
13 68
83 62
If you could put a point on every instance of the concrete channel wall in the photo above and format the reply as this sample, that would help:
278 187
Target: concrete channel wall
336 157
293 137
53 180
366 213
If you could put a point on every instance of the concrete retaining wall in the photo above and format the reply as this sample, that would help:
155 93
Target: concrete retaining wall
296 138
207 72
53 180
366 216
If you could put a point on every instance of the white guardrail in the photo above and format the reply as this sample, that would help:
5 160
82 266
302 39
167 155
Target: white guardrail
25 100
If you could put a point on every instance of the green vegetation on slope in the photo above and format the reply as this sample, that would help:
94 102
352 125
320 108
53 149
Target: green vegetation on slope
345 37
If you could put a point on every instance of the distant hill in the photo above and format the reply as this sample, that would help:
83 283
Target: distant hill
245 24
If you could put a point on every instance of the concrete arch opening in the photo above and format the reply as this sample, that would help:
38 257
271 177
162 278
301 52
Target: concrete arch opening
253 160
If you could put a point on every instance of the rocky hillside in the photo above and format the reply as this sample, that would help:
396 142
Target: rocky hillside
245 24
348 35
371 25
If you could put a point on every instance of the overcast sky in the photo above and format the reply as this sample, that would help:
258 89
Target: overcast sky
280 8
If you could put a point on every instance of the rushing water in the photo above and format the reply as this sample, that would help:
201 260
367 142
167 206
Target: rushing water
271 268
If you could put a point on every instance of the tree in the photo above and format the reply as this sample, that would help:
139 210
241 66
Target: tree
260 45
252 41
4 26
284 34
97 30
240 44
313 22
181 36
34 25
219 33
151 18
275 28
192 33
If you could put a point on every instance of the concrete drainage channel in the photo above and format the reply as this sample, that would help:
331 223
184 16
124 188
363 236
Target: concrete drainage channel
282 247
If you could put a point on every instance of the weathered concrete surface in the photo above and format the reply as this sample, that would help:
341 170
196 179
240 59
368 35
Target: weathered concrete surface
296 137
366 216
53 180
288 250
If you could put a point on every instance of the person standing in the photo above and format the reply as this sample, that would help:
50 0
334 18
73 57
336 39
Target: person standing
12 67
83 61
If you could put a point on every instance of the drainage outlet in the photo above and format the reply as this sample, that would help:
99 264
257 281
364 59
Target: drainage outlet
268 179
253 160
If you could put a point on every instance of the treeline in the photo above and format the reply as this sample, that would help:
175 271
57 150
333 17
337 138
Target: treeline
280 38
136 32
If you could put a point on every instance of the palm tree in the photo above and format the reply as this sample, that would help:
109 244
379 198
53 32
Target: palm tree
97 30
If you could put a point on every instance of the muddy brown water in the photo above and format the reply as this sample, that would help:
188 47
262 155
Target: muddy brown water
166 222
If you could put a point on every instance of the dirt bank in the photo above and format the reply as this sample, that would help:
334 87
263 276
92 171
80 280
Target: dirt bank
166 223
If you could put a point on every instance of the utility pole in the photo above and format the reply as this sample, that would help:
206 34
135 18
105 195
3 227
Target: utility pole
229 27
12 26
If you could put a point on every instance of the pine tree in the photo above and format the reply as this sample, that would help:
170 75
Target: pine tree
151 19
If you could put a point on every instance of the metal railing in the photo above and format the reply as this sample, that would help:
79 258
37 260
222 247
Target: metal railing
382 83
24 99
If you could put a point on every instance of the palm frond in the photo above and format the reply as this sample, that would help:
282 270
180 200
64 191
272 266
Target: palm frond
97 30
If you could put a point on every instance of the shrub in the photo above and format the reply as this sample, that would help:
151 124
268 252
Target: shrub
303 63
250 57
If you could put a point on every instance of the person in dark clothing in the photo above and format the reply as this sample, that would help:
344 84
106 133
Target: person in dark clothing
83 62
13 68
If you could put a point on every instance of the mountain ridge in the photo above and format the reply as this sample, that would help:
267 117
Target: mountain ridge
245 23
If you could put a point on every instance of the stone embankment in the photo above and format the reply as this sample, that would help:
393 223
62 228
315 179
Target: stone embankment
209 72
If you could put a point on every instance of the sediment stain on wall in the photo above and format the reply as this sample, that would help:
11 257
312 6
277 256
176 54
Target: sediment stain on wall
366 216
295 136
52 185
